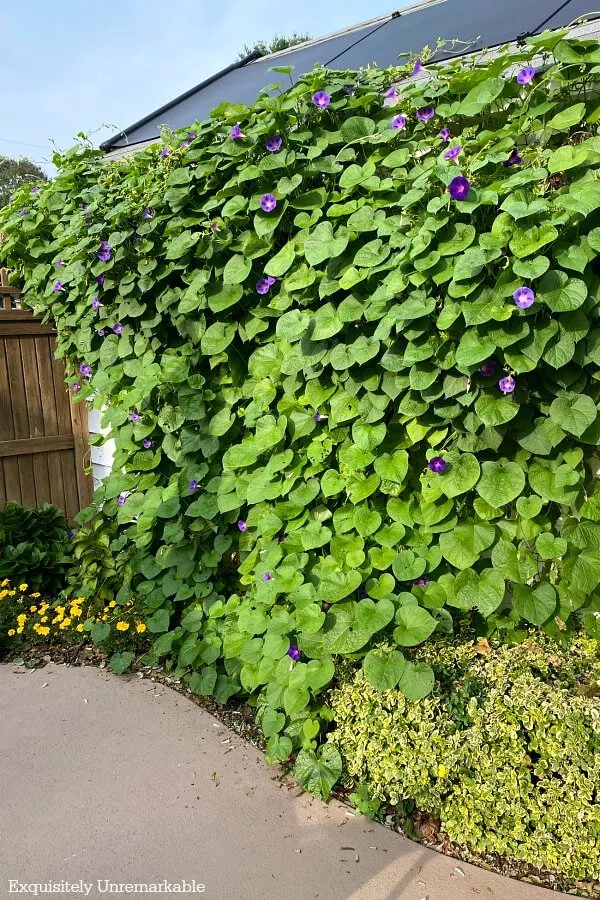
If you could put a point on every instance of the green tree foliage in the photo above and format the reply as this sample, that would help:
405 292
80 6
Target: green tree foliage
14 173
277 43
334 424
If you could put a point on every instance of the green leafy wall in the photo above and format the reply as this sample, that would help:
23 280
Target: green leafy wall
333 463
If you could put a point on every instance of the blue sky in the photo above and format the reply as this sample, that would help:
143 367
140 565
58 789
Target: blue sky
74 65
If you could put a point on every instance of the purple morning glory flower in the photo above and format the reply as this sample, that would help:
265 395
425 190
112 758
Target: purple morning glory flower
148 213
96 303
22 212
507 385
459 188
399 122
242 525
421 582
101 332
134 416
70 533
273 144
526 75
294 653
524 297
100 280
418 67
390 98
513 160
121 499
34 190
165 151
437 464
348 89
263 286
192 135
268 202
425 113
58 286
104 251
147 443
236 132
317 417
193 485
59 262
267 577
84 206
280 538
184 145
361 593
445 134
75 387
118 328
321 99
271 280
85 369
453 152
488 368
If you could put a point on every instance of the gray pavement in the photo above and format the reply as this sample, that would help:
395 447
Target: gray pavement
120 780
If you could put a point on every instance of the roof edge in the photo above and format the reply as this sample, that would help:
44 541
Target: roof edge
110 144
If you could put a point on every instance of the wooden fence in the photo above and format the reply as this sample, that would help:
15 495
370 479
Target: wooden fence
44 445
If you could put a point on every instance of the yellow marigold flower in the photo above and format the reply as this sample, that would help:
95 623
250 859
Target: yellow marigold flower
43 630
112 603
11 632
33 609
34 595
104 618
23 587
79 600
43 608
44 619
442 771
20 629
122 626
75 611
22 619
79 627
60 610
65 623
3 594
140 627
10 593
5 582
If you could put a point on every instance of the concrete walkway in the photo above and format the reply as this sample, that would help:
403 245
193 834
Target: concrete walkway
120 779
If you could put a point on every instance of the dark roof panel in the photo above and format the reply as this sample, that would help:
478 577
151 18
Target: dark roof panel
239 85
479 23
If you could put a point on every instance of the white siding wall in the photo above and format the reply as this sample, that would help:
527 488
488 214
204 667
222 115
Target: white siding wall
102 457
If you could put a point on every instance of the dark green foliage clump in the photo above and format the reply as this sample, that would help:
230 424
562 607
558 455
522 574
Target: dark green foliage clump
34 546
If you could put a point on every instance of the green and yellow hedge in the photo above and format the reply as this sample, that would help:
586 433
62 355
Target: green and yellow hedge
505 752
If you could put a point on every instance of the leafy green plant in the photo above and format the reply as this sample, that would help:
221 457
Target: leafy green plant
363 801
504 753
346 343
100 565
34 546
